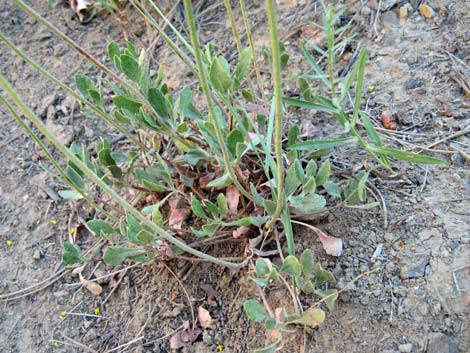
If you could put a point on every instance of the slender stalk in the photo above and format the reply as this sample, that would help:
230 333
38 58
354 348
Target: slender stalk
185 58
276 67
205 89
228 7
253 53
4 84
70 91
168 130
51 158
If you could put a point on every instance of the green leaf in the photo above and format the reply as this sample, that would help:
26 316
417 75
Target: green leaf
321 275
70 195
407 156
306 262
309 105
99 226
133 228
270 348
292 135
125 103
145 237
270 323
235 137
310 186
248 221
292 179
224 180
115 255
320 144
130 67
84 85
323 173
196 207
222 204
261 267
254 310
311 168
361 186
158 102
113 50
243 64
75 178
311 317
291 266
194 156
71 253
219 76
361 62
315 66
306 204
331 294
332 189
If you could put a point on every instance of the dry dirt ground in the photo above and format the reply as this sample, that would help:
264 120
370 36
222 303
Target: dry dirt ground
418 300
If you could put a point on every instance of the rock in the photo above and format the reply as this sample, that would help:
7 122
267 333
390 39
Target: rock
207 338
89 133
46 102
387 4
43 34
60 50
405 348
415 270
390 19
412 83
440 343
65 134
426 11
405 10
36 254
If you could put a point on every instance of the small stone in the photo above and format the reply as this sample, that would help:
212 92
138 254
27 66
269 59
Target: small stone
426 11
36 254
60 294
412 83
60 50
437 309
440 343
364 300
87 324
366 11
414 270
387 4
89 133
46 102
405 348
44 34
404 10
50 112
458 160
390 19
207 338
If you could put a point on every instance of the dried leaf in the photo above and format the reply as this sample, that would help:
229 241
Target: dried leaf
93 287
210 291
206 179
241 232
177 217
333 246
204 318
256 108
184 337
233 196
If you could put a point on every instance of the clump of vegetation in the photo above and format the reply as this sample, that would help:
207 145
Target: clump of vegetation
222 171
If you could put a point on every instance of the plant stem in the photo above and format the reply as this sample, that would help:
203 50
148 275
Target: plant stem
168 130
51 158
276 56
4 84
205 89
236 37
253 53
70 91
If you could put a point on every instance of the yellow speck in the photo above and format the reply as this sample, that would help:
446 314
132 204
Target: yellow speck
371 88
55 344
54 221
9 242
220 348
97 311
63 313
73 231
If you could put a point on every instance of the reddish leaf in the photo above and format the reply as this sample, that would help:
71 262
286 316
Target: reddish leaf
205 318
241 232
233 196
333 246
177 217
184 337
206 179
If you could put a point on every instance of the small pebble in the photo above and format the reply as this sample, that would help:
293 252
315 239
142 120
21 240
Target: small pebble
405 348
426 11
36 254
412 83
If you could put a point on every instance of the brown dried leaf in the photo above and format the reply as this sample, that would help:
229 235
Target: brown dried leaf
205 318
184 337
256 108
177 217
93 287
233 196
206 179
241 232
333 246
